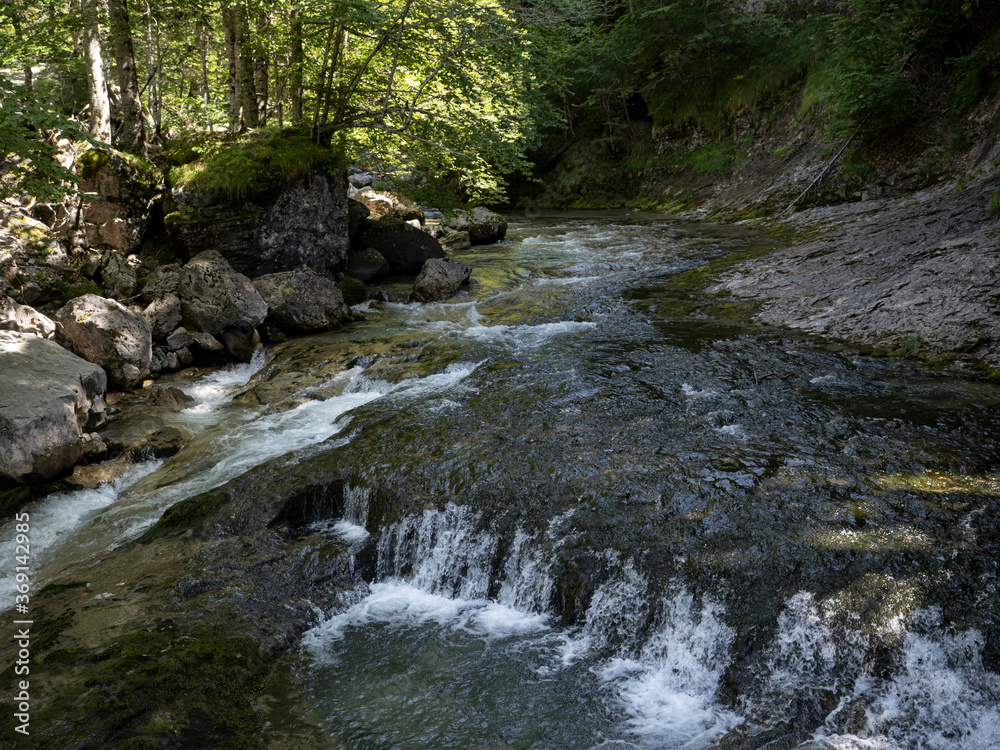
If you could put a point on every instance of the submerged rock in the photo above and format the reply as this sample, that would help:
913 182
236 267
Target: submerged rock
107 333
49 398
440 279
216 297
454 241
301 300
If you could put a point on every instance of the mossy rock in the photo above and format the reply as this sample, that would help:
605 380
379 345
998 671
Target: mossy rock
352 289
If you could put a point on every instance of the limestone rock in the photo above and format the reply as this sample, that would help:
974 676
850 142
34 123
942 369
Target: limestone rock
216 297
49 398
306 225
24 319
118 275
241 342
106 333
386 203
163 315
367 265
301 300
120 195
163 280
440 279
405 248
484 226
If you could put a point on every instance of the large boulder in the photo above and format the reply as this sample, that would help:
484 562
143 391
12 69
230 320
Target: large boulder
357 212
34 265
304 225
49 398
367 265
440 279
24 319
484 226
301 300
107 333
215 297
404 247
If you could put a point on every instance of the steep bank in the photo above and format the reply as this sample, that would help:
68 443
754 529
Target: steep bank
901 252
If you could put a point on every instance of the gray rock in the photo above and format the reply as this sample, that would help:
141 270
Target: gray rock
162 281
172 362
357 212
120 195
405 248
440 279
305 226
367 265
179 339
119 279
301 300
49 398
106 333
207 343
455 241
216 297
158 362
25 319
484 226
163 315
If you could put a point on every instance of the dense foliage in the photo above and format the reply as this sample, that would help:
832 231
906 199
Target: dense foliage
462 89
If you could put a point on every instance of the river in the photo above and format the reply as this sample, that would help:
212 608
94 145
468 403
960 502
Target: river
587 506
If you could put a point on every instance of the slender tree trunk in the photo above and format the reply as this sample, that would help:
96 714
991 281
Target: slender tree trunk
322 93
133 131
203 41
229 22
100 105
153 105
15 21
260 65
297 62
244 69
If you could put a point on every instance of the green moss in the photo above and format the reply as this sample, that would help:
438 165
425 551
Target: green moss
48 633
994 205
352 289
253 164
90 161
162 687
781 151
187 514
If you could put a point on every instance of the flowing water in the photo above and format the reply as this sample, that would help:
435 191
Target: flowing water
585 512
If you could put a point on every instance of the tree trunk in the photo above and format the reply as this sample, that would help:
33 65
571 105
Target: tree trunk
100 105
153 105
203 41
260 65
133 131
244 69
229 22
297 62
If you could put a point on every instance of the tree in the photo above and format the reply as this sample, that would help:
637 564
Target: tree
100 105
133 131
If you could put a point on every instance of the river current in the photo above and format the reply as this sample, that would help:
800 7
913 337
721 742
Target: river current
587 507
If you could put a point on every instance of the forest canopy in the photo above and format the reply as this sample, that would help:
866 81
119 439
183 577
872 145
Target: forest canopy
465 89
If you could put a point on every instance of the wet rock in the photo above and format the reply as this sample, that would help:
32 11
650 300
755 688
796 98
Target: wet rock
171 361
353 290
367 265
454 241
206 343
48 398
216 297
158 362
484 226
163 315
301 300
241 342
118 275
172 398
440 279
306 225
163 442
25 319
105 332
405 248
